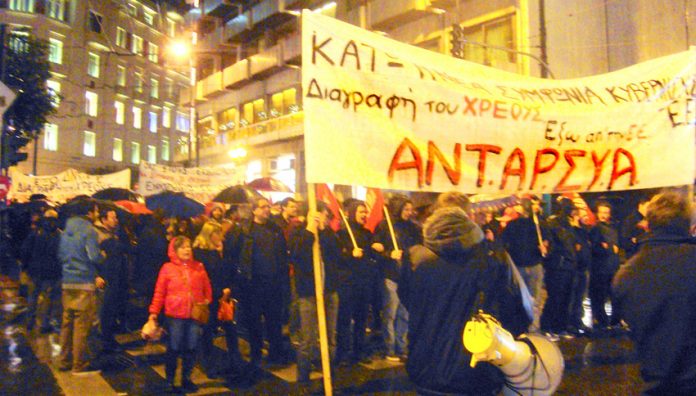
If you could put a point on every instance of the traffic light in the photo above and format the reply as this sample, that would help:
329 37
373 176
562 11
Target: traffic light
10 153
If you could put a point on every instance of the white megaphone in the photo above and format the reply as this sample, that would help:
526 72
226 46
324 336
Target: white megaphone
532 365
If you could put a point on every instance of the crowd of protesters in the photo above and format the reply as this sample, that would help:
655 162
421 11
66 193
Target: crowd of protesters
97 268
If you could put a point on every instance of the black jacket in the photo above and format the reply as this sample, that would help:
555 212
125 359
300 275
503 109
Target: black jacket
604 259
242 244
407 234
655 294
301 255
39 251
220 270
443 283
521 241
367 267
562 252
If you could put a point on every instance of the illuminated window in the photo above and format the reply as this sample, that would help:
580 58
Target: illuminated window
149 18
89 146
121 76
53 88
253 170
117 153
121 37
56 9
93 65
165 150
137 45
166 117
50 137
55 51
91 103
132 9
22 5
284 103
135 152
499 32
153 122
227 120
153 53
154 88
151 154
169 87
182 122
139 82
137 117
120 112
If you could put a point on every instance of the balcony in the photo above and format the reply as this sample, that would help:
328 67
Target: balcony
281 128
217 8
237 28
212 85
237 75
394 13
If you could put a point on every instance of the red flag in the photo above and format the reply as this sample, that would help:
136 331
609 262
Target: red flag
325 195
375 208
580 203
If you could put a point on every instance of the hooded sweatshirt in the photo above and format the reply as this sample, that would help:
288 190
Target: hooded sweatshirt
444 282
79 254
180 284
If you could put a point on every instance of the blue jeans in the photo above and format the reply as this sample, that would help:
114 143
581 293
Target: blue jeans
308 334
395 319
183 334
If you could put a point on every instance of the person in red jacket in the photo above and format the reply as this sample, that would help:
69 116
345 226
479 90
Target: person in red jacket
181 283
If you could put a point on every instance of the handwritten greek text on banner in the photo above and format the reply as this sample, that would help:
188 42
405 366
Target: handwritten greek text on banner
381 113
65 185
201 183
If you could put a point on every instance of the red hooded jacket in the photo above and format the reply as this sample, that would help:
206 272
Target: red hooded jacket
179 285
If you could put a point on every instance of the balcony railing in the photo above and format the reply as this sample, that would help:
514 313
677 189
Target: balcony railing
279 124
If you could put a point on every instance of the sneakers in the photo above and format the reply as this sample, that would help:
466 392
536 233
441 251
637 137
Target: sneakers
88 369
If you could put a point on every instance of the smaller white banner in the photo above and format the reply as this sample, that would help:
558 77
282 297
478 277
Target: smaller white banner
199 183
64 185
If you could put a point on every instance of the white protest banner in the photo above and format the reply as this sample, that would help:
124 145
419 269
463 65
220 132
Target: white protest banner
65 185
199 183
381 113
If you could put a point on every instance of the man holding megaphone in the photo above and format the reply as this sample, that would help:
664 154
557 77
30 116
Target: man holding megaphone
444 282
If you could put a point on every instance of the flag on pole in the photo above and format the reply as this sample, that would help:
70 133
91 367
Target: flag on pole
325 195
590 218
375 208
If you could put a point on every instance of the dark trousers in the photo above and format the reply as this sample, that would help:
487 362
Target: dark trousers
559 286
112 310
345 315
232 361
600 292
576 308
263 307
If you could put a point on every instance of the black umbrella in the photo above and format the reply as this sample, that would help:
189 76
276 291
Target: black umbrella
118 194
238 194
175 204
70 208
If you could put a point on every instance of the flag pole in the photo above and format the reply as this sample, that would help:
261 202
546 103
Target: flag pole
350 231
391 228
319 293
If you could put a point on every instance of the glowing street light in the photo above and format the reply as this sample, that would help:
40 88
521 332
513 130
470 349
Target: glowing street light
180 49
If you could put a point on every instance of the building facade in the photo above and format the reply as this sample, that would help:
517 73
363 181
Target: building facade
248 94
119 99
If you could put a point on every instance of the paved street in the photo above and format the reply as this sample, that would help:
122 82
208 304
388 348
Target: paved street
601 365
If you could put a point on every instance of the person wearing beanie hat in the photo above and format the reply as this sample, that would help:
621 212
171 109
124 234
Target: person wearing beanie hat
355 299
450 277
